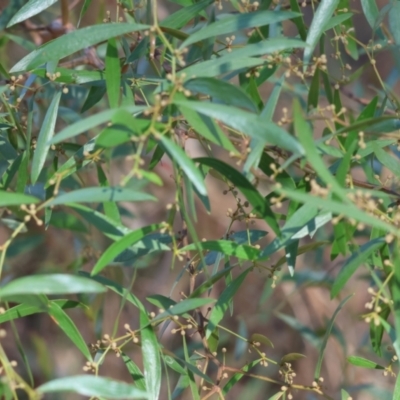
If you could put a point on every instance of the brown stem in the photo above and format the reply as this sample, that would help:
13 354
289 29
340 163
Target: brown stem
64 12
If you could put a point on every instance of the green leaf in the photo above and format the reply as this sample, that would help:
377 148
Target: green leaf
321 18
206 127
28 10
134 372
72 42
50 284
305 135
337 20
219 66
227 247
100 221
209 283
348 210
89 385
124 127
223 302
259 203
328 331
100 195
387 160
371 11
344 394
222 91
353 262
394 21
115 287
110 207
113 73
363 362
65 75
45 134
180 18
257 338
299 21
248 123
182 307
396 392
16 199
238 375
256 145
238 22
66 324
91 122
189 168
23 310
95 94
313 94
151 357
291 357
120 245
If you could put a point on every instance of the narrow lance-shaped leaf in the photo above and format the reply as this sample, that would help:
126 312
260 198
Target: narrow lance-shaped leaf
120 245
28 10
189 168
348 210
259 203
228 248
91 122
113 73
317 373
74 41
238 22
248 123
50 284
363 363
371 11
223 302
353 262
93 386
45 134
101 194
321 17
394 21
16 199
305 135
151 357
69 328
180 18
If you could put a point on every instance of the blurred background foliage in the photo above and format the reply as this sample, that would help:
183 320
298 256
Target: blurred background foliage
293 313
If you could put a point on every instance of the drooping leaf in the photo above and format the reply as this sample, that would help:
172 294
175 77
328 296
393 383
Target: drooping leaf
188 166
16 199
89 385
328 331
72 42
28 10
113 73
45 134
238 22
50 284
363 362
120 245
151 358
228 248
223 302
353 262
321 17
91 122
67 325
101 194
